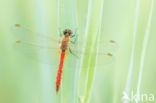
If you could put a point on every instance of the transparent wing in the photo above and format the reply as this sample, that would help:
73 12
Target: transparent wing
26 33
33 45
27 43
106 51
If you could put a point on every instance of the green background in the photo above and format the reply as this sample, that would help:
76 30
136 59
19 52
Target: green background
25 75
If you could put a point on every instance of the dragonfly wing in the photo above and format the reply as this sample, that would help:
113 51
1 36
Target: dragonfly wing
25 33
105 52
34 51
50 55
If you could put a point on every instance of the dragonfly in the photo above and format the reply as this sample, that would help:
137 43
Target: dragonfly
64 45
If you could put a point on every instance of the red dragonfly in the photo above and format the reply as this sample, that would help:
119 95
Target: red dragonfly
63 49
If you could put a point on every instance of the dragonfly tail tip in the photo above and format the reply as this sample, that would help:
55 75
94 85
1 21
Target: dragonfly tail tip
57 89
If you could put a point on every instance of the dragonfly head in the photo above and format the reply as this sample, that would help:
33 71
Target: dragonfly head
67 32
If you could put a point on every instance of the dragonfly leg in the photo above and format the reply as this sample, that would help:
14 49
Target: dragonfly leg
72 36
73 53
75 33
75 37
73 42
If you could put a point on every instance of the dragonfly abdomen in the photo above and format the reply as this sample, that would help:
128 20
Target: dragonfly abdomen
59 72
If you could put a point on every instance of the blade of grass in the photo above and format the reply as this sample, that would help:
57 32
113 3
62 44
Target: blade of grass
91 38
144 48
95 57
129 77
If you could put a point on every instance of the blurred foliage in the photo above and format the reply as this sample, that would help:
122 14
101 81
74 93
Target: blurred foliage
92 78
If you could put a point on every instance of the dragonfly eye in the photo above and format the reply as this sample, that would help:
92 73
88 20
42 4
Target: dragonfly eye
70 32
67 31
